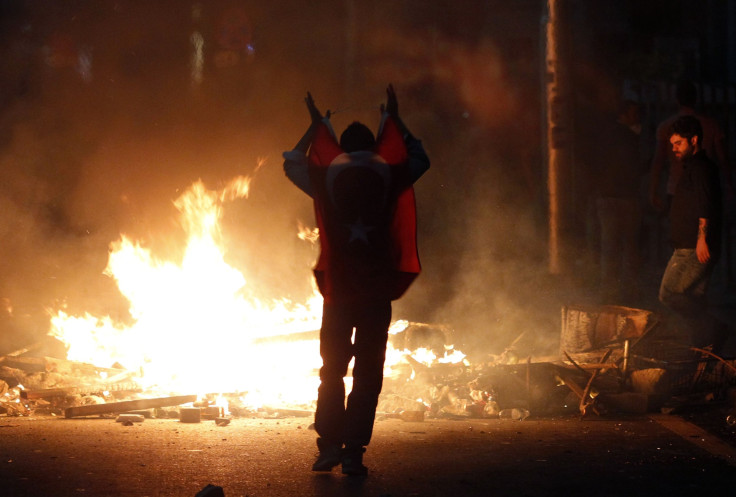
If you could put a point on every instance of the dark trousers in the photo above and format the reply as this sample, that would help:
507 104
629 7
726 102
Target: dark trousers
335 422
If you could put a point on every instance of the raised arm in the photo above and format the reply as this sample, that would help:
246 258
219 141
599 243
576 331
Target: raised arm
295 160
392 109
316 117
418 160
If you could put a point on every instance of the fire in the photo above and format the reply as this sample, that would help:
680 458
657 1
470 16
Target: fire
195 321
198 326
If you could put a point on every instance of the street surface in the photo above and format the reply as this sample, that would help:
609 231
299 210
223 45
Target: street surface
626 456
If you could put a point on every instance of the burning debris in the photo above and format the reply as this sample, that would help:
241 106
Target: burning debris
262 357
608 367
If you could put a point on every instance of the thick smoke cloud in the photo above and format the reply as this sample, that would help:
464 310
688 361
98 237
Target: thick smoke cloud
104 124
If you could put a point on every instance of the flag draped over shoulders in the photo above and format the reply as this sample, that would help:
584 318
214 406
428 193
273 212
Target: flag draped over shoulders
366 214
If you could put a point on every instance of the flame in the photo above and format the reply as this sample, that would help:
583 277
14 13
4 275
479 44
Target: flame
197 324
308 234
195 321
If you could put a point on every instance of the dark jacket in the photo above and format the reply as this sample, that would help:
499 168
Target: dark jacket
697 195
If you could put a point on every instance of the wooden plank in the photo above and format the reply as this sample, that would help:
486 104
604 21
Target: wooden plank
76 367
584 402
128 405
47 393
18 352
578 390
64 366
25 364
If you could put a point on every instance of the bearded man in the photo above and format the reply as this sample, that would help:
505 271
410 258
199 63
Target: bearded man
695 229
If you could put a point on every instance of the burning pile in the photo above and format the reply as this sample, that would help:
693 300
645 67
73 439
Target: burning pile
259 352
175 305
430 380
262 356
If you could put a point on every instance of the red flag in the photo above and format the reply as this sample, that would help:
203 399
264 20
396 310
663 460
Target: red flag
390 265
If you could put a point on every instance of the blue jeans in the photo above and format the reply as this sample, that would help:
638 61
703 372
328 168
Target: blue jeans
684 283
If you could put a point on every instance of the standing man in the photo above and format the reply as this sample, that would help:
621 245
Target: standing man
694 229
365 211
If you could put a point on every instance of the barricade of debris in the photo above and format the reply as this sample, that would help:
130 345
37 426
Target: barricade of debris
48 385
611 359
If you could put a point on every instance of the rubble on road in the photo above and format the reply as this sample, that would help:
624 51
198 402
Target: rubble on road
129 419
611 359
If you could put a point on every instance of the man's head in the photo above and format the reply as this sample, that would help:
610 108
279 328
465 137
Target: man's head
357 137
686 136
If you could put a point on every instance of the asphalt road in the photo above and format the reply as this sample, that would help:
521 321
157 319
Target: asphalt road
628 456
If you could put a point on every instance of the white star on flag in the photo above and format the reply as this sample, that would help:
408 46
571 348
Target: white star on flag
359 231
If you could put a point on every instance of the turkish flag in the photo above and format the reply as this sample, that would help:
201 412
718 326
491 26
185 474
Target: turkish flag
365 255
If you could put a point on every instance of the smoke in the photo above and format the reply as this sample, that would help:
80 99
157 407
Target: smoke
106 125
481 211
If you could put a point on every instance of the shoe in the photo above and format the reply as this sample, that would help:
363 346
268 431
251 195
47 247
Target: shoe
352 461
329 456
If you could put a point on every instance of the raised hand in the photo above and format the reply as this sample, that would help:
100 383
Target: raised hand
392 104
314 112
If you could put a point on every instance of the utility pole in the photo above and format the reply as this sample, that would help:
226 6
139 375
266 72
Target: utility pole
559 139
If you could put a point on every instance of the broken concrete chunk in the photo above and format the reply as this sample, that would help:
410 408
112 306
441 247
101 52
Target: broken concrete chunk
222 421
211 491
190 414
411 415
130 418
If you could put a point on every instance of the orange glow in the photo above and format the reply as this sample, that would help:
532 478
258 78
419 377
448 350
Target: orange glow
194 327
197 328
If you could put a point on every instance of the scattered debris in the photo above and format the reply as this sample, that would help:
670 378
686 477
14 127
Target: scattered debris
211 491
222 421
128 405
211 412
611 359
129 419
190 414
515 414
412 415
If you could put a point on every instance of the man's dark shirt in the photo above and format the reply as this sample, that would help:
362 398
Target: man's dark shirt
697 195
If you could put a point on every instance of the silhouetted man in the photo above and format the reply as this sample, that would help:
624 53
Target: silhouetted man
365 211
